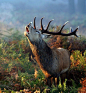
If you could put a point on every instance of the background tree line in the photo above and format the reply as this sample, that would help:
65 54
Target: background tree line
80 7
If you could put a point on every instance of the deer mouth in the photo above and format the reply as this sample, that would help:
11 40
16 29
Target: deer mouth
27 30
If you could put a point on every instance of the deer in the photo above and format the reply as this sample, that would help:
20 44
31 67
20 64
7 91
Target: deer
53 62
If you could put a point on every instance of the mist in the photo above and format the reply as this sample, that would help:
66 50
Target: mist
18 13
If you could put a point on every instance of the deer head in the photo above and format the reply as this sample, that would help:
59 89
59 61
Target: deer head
34 34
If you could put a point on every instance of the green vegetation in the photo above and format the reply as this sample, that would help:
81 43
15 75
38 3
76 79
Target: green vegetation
17 71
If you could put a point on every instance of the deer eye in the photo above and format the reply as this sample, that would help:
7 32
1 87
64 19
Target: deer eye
37 31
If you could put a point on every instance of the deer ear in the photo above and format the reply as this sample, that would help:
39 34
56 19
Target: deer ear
44 36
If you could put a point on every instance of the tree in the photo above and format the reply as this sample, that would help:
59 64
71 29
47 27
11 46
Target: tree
81 6
71 6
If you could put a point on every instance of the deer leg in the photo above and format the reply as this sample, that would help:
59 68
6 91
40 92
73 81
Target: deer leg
54 81
48 81
63 76
58 79
51 80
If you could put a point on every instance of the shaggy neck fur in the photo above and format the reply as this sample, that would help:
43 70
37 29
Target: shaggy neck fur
43 55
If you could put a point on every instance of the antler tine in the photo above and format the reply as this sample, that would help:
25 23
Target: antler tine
29 23
34 23
49 24
63 26
74 32
42 25
71 29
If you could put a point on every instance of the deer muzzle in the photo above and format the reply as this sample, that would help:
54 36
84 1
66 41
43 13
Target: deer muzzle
27 29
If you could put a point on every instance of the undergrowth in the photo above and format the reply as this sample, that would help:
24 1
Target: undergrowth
18 73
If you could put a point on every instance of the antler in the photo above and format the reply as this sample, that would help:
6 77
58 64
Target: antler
60 31
34 23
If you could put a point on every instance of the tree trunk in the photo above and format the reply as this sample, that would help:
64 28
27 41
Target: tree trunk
71 5
81 6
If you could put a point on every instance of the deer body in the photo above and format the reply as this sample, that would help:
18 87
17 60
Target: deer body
53 62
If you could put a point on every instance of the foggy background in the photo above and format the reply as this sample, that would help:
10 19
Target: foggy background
18 13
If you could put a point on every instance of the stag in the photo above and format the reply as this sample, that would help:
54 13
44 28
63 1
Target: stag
53 62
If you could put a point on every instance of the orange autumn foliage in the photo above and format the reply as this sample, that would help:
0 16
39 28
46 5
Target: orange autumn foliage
83 83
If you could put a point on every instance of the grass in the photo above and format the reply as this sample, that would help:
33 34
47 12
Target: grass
17 71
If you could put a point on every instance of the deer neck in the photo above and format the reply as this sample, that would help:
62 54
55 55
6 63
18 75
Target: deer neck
42 53
40 47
